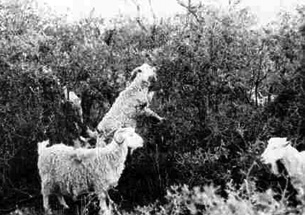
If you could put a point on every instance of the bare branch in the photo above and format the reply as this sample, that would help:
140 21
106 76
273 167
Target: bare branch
152 10
141 24
191 9
138 16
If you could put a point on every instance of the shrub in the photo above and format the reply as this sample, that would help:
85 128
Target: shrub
208 58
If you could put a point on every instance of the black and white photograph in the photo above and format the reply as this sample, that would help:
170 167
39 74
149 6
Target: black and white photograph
152 107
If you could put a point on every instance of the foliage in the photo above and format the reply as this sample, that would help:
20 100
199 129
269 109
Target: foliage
209 60
205 200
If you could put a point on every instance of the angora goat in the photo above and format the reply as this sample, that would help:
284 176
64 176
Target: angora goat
131 102
65 170
293 160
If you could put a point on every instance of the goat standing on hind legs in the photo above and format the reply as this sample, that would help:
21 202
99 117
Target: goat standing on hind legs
131 102
279 149
65 170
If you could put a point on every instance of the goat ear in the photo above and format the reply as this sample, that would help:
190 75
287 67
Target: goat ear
118 136
287 142
91 133
134 73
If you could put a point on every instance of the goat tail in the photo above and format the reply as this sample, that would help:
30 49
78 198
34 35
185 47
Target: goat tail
42 145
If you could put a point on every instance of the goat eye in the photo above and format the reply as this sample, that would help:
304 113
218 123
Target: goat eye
142 106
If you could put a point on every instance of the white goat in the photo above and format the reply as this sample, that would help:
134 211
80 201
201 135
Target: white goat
261 100
131 102
71 96
65 170
293 160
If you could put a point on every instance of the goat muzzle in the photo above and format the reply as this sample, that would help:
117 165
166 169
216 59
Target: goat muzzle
262 159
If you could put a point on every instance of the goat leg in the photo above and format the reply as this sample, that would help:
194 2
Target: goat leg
62 201
149 112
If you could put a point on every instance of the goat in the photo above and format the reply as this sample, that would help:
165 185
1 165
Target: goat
65 170
260 99
293 160
131 102
71 97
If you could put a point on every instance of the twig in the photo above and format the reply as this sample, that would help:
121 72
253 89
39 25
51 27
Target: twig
247 178
152 11
138 16
190 10
285 189
23 192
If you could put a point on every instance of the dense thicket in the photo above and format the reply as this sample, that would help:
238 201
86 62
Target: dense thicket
209 59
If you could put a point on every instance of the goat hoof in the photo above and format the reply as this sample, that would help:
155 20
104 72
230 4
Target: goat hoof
66 207
162 120
48 212
105 212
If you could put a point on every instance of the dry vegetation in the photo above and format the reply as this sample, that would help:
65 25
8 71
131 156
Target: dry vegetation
209 60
